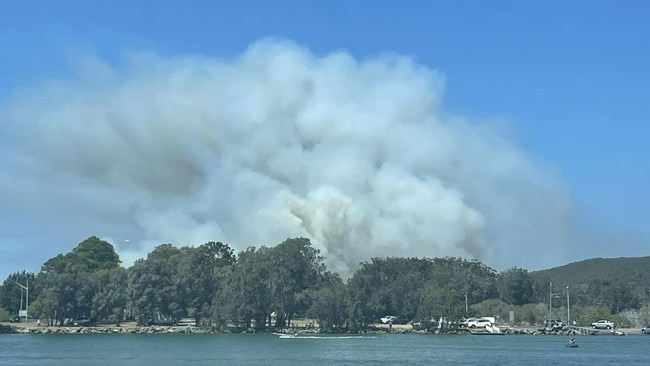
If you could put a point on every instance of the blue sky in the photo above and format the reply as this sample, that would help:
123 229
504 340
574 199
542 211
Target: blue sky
566 81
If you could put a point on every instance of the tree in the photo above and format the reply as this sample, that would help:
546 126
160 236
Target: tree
60 277
387 286
295 267
12 295
69 281
96 254
110 294
328 303
202 274
247 296
152 283
442 302
515 286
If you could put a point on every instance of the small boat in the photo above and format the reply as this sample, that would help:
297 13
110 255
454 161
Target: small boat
572 345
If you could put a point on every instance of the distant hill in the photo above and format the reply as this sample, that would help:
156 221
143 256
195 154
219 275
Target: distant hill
633 270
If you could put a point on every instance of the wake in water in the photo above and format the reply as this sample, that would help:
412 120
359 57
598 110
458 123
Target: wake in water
324 337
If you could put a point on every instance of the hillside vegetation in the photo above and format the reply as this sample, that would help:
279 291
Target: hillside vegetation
634 270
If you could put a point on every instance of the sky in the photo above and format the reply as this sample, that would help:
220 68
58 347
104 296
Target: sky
510 132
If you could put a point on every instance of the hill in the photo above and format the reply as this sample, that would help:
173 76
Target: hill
632 270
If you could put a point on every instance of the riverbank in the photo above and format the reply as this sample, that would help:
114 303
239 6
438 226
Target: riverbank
132 328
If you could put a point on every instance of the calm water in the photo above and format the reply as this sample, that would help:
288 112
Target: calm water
412 349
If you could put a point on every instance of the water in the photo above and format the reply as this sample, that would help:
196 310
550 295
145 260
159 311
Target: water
388 349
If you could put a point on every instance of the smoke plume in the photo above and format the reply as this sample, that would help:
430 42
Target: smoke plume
359 156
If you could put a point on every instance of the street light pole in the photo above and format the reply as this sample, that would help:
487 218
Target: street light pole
26 288
466 304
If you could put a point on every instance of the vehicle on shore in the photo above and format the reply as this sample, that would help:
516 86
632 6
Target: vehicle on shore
646 329
603 324
392 319
82 322
479 323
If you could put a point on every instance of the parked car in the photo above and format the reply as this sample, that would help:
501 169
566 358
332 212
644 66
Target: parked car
603 324
464 322
479 323
646 329
83 322
14 319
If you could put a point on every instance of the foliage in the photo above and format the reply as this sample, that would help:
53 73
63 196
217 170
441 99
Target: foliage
271 286
630 272
4 315
12 294
515 286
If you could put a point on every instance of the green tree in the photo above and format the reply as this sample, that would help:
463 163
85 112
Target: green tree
515 286
60 277
247 297
96 254
202 275
110 294
295 267
328 305
152 283
441 302
12 294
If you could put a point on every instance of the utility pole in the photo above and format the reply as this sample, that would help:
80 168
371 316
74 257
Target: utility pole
550 300
466 304
568 307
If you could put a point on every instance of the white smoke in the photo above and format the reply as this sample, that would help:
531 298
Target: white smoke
359 156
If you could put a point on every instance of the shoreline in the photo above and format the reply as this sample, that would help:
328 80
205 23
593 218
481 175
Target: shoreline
21 328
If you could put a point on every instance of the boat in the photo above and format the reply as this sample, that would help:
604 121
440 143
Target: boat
571 343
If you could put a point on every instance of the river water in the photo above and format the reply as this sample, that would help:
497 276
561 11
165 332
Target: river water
385 349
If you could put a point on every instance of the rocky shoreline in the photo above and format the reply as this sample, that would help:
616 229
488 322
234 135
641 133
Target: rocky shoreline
190 329
108 330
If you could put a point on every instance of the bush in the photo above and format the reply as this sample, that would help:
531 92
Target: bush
4 315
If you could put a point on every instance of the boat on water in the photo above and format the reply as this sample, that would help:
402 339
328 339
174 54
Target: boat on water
572 343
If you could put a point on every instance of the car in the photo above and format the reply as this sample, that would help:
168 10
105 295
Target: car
479 323
14 319
646 329
463 322
83 322
603 324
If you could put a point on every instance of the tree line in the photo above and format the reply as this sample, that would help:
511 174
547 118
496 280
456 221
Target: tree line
269 287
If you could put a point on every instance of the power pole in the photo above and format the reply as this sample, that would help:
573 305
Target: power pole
568 307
